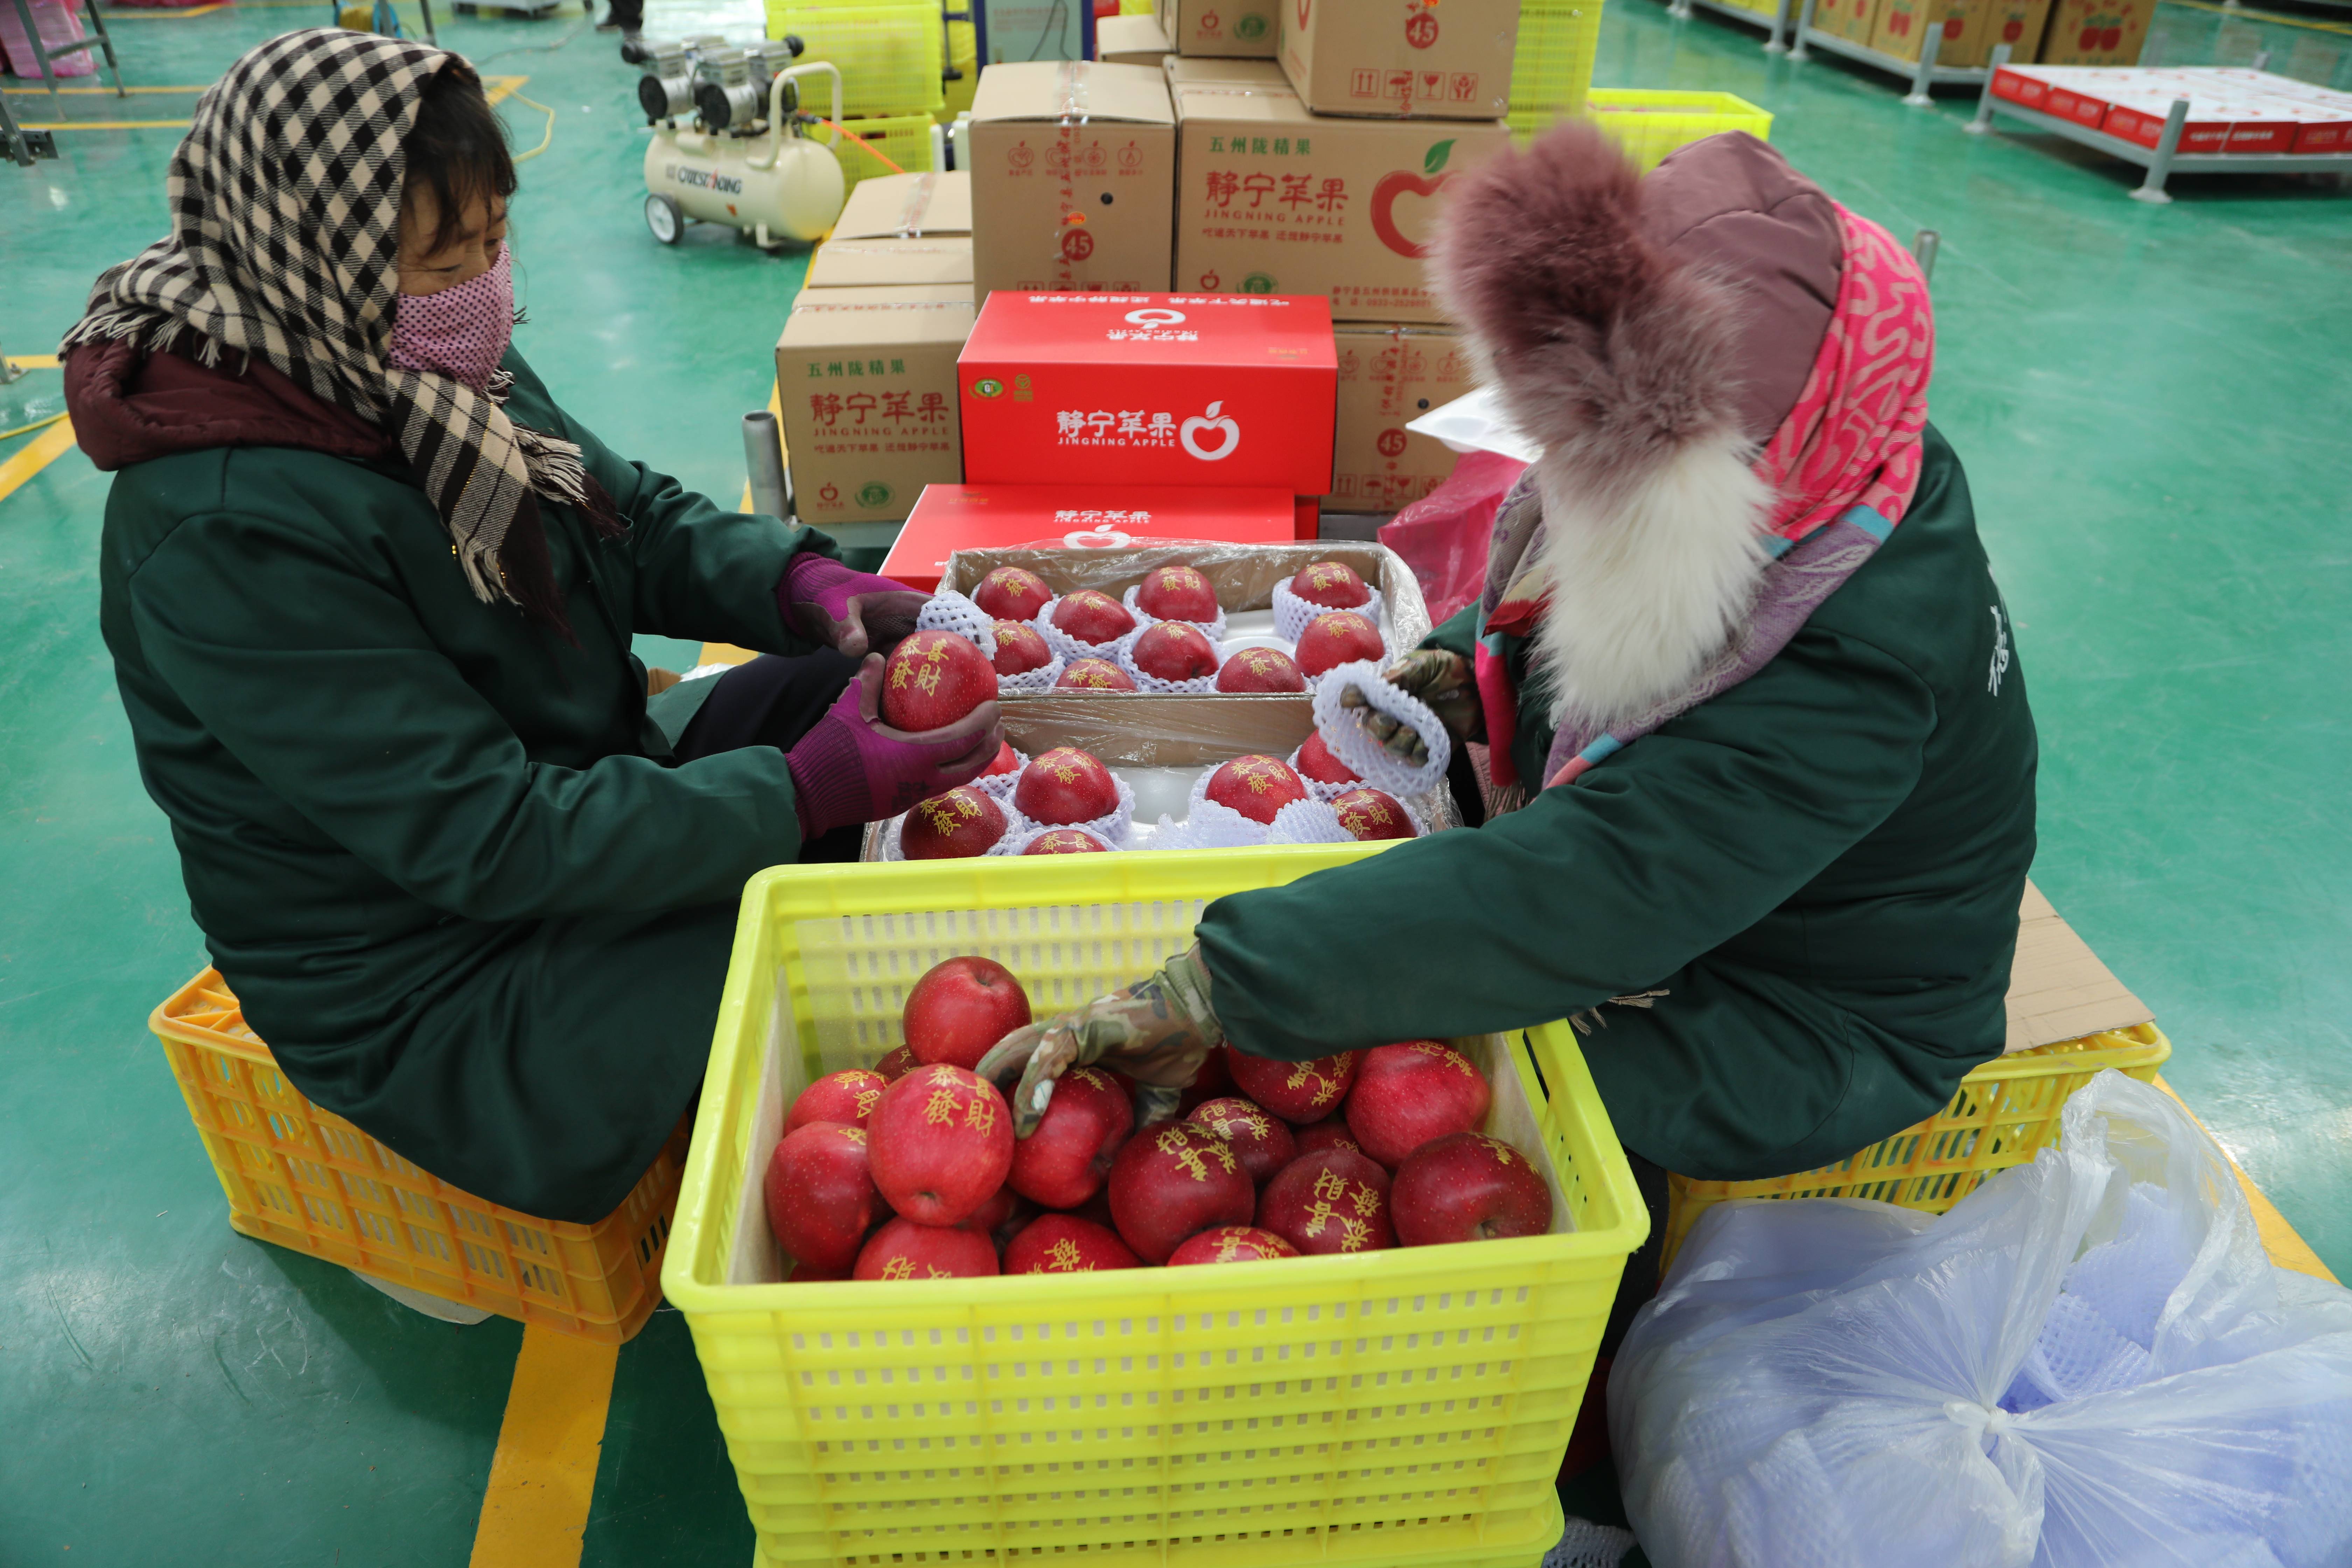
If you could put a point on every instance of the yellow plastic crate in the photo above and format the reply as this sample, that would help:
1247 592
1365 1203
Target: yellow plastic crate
306 1179
1551 67
1649 123
904 139
1399 1409
891 57
2004 1113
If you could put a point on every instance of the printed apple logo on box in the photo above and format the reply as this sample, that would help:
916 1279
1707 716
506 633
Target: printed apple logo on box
1402 182
1229 441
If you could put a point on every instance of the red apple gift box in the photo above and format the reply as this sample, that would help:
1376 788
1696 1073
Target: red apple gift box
920 1177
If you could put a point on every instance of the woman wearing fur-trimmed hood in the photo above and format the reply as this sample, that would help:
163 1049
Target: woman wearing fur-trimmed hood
1741 669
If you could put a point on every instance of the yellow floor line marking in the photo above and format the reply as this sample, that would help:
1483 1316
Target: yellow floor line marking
34 361
144 15
535 1511
108 92
2287 1247
2273 16
37 454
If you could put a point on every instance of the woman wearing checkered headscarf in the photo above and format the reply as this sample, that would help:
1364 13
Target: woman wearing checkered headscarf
370 594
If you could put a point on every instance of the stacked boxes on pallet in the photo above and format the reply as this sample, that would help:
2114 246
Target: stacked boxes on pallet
2054 32
892 60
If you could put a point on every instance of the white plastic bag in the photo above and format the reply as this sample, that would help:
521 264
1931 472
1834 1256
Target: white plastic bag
2089 1363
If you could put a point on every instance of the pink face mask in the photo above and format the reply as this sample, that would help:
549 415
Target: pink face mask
460 332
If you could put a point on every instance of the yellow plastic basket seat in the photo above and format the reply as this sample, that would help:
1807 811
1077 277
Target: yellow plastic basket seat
904 139
2004 1113
891 57
1552 65
1405 1408
1649 124
309 1180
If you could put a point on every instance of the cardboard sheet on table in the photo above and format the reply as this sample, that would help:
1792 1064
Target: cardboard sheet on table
2058 989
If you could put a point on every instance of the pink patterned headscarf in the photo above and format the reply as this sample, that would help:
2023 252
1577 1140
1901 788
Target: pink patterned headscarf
1845 464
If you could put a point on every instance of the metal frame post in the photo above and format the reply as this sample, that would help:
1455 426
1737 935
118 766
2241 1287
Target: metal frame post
1804 26
23 148
1930 44
1983 121
763 460
1775 44
2159 168
97 39
1923 246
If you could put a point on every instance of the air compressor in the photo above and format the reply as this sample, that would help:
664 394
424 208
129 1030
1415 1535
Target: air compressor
763 175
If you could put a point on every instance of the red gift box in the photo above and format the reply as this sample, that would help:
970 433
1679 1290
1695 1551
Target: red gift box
1226 390
949 518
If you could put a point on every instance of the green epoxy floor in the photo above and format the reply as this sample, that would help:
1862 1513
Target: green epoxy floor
2152 406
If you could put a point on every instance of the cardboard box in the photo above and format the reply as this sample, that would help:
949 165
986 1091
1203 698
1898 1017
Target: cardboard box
1387 376
1074 171
2058 989
1851 19
1131 41
1900 27
1149 389
2016 23
1271 198
2096 32
866 381
949 517
906 207
891 263
1401 58
1221 29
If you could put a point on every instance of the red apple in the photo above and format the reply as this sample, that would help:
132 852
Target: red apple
1175 650
1007 761
934 679
1065 841
820 1195
1177 594
961 1007
1467 1186
1019 649
848 1097
905 1250
958 825
1260 670
1331 1132
1094 675
1335 1201
1093 617
1064 786
1231 1244
942 1144
1098 1209
1257 786
1343 637
896 1064
1211 1082
1173 1180
1368 815
1001 1216
1064 1161
1407 1094
1065 1243
1010 593
1318 761
1331 584
1298 1092
1261 1141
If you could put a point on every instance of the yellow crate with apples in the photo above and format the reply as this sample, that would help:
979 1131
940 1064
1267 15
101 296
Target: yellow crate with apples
1405 1408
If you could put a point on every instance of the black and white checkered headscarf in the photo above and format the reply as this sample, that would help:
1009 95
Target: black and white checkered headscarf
285 202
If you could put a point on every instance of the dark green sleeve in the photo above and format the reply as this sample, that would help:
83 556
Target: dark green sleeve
323 685
1459 633
701 573
1595 889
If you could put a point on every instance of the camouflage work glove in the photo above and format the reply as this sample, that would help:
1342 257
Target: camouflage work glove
1441 679
1158 1032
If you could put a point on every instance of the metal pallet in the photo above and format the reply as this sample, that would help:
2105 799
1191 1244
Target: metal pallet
1923 72
1778 22
2165 158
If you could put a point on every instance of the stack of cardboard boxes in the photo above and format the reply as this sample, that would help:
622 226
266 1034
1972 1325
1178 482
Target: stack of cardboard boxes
2056 32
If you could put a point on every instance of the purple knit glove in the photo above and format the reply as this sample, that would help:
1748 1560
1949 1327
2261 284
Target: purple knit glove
854 768
854 612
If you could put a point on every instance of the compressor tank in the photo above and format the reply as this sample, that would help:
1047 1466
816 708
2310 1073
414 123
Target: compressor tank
718 179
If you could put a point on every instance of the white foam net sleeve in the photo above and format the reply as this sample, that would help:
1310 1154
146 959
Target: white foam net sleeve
1215 629
1292 613
1041 678
999 786
1200 685
1070 647
1584 1544
1111 827
1343 729
1308 821
948 611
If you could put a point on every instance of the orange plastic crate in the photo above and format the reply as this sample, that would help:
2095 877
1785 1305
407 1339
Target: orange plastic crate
309 1180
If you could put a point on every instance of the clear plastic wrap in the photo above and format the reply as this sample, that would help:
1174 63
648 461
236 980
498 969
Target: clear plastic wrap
2089 1363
